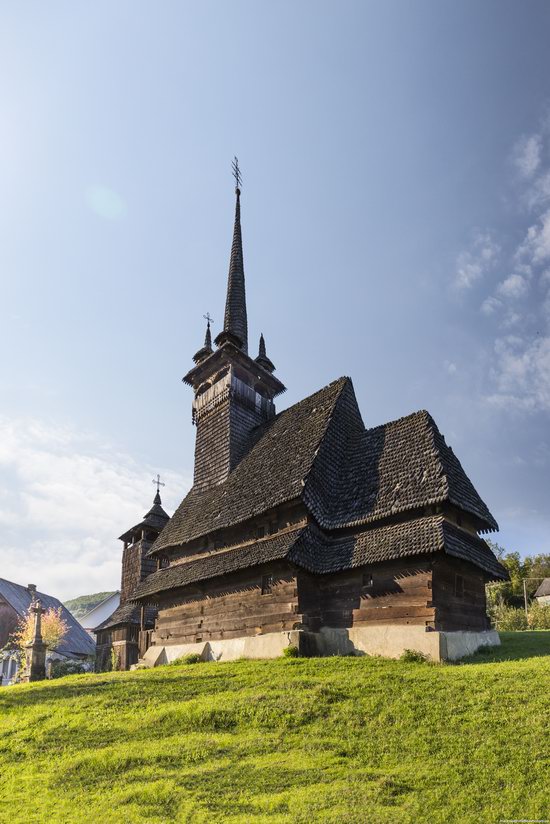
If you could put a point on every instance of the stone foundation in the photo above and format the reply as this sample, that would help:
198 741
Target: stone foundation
389 641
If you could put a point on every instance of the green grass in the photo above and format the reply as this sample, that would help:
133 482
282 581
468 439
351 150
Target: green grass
343 740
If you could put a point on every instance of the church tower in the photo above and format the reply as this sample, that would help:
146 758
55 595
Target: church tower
233 392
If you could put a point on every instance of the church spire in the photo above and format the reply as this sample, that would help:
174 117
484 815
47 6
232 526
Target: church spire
235 327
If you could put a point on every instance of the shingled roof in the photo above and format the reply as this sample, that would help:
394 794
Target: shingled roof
127 613
311 549
319 450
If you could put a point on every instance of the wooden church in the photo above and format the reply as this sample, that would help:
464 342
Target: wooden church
304 527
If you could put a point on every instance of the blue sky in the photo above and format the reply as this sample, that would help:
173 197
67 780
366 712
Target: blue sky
396 222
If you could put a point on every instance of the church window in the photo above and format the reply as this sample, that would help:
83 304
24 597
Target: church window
260 531
267 584
273 527
164 562
459 586
368 580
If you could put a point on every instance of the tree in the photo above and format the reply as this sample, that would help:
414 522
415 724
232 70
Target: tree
54 629
510 593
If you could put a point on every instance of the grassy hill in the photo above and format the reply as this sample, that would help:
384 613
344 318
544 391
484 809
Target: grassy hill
343 740
84 603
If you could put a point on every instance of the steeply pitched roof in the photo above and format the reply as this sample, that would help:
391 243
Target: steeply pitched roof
311 549
319 450
544 588
272 472
77 641
362 475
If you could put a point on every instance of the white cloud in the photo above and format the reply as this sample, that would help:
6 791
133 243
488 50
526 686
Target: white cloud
66 497
450 367
521 372
527 155
474 264
490 305
536 246
515 286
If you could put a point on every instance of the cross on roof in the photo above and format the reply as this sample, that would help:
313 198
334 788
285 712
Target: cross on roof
158 482
208 319
237 172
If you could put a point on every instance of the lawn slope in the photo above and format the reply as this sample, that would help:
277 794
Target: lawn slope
343 740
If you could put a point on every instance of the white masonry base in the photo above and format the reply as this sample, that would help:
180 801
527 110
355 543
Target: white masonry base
389 641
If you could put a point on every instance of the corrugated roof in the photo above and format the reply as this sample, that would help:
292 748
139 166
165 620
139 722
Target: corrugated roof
77 641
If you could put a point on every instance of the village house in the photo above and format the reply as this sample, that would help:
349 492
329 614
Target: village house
542 594
15 603
306 528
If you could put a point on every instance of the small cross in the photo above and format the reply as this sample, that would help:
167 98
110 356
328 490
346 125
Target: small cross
208 319
237 172
158 482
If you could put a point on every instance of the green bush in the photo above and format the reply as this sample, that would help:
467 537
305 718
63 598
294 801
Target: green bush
291 651
413 656
539 616
510 619
58 669
190 658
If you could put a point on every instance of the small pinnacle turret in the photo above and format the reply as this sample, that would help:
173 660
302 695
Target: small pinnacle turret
262 358
206 349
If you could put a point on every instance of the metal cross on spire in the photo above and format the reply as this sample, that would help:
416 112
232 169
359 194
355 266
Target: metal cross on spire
208 319
237 173
158 482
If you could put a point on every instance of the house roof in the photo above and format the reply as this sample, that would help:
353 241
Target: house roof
318 450
543 589
317 552
76 641
127 613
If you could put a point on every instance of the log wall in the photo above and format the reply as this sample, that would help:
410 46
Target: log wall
455 611
400 593
231 607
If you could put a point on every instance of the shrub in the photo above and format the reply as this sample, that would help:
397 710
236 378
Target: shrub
510 619
58 669
291 651
413 656
190 658
539 616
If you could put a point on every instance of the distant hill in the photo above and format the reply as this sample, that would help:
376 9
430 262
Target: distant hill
84 603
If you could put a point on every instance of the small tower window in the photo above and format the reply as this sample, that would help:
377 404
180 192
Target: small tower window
267 584
459 586
164 562
273 527
368 580
260 531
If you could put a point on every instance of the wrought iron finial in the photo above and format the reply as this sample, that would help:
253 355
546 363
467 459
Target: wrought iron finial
208 319
158 483
237 174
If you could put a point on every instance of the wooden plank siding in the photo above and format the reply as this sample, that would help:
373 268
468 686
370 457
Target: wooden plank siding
467 611
231 607
420 592
399 594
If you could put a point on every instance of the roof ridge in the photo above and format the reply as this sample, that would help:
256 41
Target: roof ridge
418 413
345 381
432 428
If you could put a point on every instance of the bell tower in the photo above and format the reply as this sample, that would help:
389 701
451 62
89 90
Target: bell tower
233 393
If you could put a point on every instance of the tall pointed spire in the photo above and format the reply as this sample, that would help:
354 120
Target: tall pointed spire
235 324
